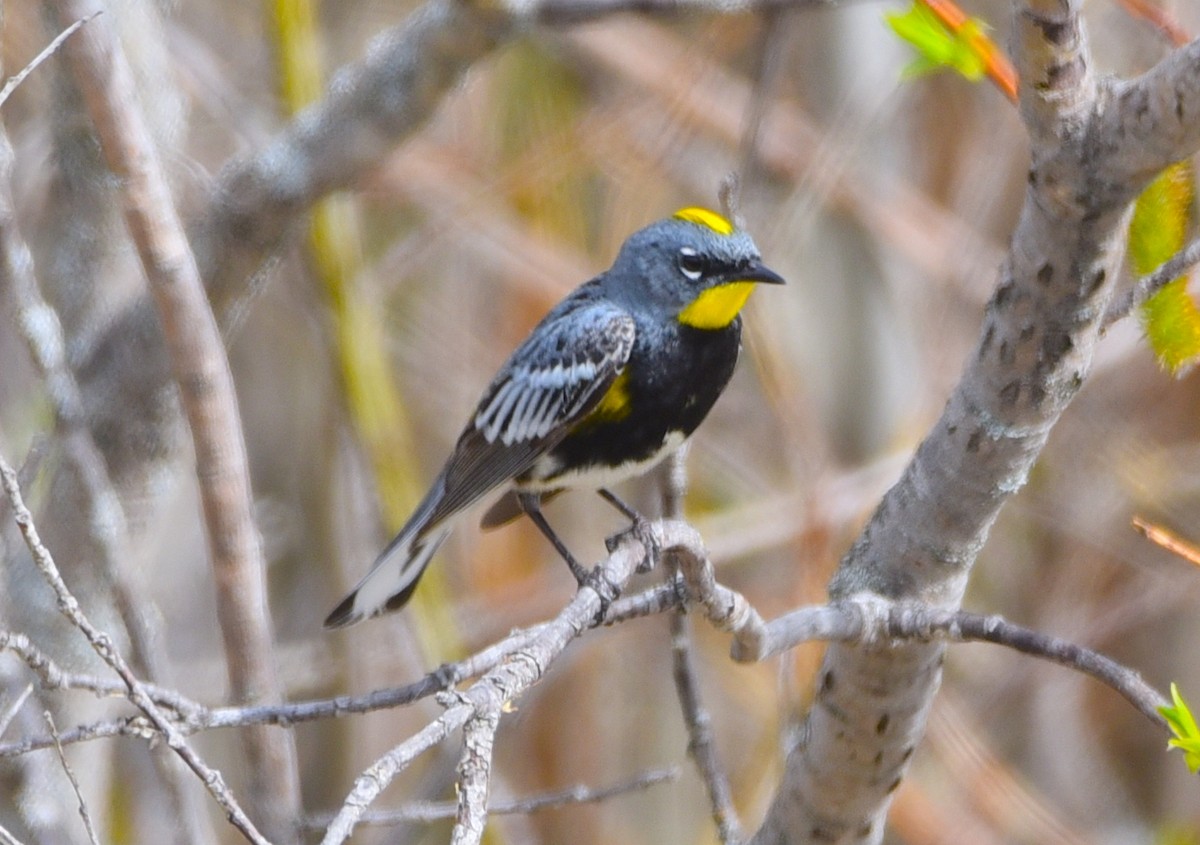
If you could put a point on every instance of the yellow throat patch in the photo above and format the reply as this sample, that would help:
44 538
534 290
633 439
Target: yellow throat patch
707 219
716 307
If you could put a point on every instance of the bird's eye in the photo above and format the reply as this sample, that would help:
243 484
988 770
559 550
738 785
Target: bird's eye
690 263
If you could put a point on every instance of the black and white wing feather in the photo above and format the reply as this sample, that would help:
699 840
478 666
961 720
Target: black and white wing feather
550 383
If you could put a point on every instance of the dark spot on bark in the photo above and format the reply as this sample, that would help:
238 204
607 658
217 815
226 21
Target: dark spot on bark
974 440
821 834
1003 294
878 761
894 786
1053 31
1179 107
1055 345
1091 212
1010 393
988 334
1032 178
1076 380
908 752
1037 395
1026 334
1065 75
951 429
1097 281
1006 353
1045 273
882 725
864 832
827 682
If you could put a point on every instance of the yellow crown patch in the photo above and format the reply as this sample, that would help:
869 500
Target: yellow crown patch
706 218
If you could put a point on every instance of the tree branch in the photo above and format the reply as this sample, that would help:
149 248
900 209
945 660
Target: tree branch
102 644
497 687
430 811
1147 286
210 405
871 621
1035 349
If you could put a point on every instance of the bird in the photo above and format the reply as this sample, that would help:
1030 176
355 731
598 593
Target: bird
611 381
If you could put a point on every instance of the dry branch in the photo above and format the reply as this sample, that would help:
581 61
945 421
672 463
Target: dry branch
430 811
102 644
485 699
201 371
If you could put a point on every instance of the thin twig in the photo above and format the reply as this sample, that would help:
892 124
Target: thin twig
1168 540
10 712
194 717
431 811
103 645
696 720
492 692
107 527
1159 18
42 332
726 609
876 621
12 82
1147 286
201 370
7 838
54 677
62 759
651 602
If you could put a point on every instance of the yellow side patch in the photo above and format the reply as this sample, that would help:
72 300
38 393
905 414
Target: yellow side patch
716 307
614 405
706 218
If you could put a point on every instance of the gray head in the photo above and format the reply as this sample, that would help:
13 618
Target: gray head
696 264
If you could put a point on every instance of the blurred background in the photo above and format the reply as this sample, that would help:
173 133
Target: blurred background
361 348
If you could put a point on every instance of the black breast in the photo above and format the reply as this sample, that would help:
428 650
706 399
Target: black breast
675 375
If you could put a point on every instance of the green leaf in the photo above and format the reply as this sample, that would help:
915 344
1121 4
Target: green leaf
937 46
1171 320
1183 725
1157 231
1161 218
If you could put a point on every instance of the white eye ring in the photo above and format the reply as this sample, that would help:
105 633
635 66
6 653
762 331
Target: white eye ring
689 263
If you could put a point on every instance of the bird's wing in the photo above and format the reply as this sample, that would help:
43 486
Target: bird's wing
551 382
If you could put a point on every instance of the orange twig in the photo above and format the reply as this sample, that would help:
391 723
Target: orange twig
1159 18
1168 540
999 68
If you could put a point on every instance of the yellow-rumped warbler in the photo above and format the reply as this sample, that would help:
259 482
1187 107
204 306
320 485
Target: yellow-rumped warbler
614 378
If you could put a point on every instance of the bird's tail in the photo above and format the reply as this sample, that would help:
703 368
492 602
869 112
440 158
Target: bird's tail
392 578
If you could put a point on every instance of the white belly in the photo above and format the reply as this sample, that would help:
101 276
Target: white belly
595 477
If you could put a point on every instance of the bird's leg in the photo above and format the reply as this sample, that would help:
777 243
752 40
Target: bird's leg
531 504
641 529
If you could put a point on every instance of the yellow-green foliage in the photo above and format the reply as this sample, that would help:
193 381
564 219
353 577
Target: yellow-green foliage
1183 725
937 46
1158 230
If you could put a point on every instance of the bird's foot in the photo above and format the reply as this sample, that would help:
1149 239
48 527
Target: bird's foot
643 531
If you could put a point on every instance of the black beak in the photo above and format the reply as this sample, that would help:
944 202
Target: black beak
757 272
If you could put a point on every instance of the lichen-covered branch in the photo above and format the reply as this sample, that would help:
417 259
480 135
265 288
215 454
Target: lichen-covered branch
1035 348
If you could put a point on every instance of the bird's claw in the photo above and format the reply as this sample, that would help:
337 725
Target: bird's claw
643 531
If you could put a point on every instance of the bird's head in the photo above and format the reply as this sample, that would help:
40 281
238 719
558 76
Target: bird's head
696 264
